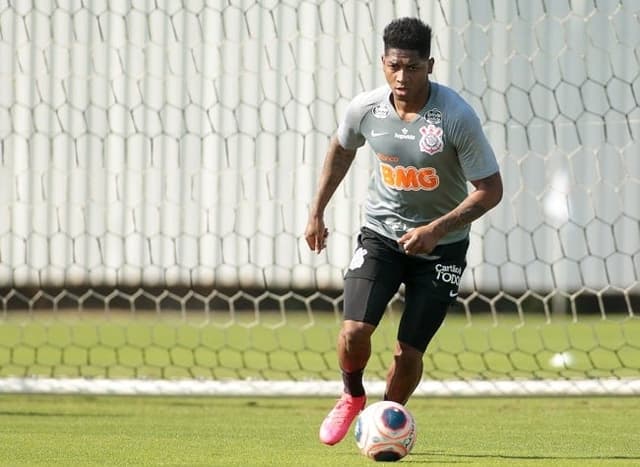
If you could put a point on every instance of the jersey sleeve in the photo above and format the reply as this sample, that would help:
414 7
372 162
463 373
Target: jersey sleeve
474 151
349 134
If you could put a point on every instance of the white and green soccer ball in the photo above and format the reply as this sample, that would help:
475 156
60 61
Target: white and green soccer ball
385 431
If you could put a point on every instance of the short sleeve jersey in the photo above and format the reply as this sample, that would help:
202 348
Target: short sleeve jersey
422 166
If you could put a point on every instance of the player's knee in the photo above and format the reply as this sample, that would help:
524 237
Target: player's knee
356 333
406 354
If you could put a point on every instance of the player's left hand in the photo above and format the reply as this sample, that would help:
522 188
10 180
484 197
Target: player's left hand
421 240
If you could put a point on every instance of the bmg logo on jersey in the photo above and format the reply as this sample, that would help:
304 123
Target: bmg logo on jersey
449 273
409 178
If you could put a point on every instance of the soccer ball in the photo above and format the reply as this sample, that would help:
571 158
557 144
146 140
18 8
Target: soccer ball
385 431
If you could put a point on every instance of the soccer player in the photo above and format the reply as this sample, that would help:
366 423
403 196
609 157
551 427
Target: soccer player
428 142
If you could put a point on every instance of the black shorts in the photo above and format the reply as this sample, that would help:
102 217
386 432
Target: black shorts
379 266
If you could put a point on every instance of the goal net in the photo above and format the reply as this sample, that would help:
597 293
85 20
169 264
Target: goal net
158 159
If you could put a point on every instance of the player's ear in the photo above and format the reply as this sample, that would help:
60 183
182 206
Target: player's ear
430 63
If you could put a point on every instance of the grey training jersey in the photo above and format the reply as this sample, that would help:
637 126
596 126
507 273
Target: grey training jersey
423 165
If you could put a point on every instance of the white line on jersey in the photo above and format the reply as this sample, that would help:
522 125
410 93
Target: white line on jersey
374 133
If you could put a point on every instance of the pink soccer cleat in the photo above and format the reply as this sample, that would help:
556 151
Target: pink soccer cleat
336 425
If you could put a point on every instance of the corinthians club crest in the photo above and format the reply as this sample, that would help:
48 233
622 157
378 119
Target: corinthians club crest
431 141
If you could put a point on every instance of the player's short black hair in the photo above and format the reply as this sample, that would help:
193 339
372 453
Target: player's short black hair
408 34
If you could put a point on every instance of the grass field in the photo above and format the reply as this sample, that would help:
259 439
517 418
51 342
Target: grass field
87 430
272 346
100 430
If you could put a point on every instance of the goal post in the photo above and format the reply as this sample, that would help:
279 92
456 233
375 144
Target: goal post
158 160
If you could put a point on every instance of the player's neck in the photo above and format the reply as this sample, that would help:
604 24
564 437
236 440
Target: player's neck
407 110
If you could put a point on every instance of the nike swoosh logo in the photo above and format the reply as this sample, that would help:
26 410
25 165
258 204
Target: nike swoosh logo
453 294
374 133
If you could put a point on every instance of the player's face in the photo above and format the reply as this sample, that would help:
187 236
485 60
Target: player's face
407 74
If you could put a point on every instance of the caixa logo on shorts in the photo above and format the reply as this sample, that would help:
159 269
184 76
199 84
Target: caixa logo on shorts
449 274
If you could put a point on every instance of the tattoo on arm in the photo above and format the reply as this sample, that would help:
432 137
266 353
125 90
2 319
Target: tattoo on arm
487 194
461 217
336 166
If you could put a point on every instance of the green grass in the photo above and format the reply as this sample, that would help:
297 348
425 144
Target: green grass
275 346
87 430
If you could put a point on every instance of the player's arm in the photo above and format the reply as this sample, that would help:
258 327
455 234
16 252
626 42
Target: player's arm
487 194
336 165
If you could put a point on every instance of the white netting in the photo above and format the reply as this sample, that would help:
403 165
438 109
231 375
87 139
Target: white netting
158 160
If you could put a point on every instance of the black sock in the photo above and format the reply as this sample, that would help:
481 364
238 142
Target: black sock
353 383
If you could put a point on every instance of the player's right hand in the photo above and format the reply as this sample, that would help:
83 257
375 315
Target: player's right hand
316 234
421 240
